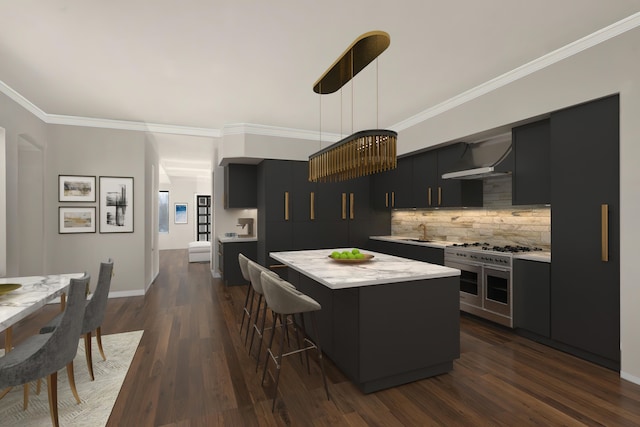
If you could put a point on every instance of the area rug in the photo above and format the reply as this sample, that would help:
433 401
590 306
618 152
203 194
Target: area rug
98 397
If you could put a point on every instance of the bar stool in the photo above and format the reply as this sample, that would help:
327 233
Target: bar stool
248 300
284 300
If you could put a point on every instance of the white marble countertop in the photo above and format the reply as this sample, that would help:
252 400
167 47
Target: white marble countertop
234 239
35 292
534 256
382 269
441 244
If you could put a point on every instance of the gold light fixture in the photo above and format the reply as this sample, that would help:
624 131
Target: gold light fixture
365 152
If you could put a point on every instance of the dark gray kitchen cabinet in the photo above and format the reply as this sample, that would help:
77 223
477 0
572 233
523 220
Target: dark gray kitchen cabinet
532 296
407 250
393 189
531 178
240 186
294 214
228 260
456 192
585 230
430 190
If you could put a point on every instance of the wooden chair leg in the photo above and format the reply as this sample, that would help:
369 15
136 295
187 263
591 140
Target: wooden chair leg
38 386
52 391
87 353
72 382
99 339
25 403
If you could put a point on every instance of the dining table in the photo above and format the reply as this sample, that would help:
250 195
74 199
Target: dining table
33 293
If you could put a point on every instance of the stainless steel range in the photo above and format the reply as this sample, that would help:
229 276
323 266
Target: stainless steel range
486 279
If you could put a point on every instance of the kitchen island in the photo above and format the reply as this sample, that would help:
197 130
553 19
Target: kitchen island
385 322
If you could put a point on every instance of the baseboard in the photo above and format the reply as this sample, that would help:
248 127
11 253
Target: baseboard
630 378
124 294
215 274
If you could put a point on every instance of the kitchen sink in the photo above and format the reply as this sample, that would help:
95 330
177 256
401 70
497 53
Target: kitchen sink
414 239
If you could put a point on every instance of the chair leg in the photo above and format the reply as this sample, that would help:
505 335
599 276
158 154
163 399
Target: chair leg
87 353
278 363
25 403
99 340
52 391
250 315
304 332
38 386
244 310
255 322
314 326
264 320
72 382
273 332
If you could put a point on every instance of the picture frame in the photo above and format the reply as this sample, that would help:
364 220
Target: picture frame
77 219
180 213
76 188
116 204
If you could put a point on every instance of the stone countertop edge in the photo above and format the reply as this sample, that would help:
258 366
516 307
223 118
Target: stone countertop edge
400 239
236 239
535 256
359 274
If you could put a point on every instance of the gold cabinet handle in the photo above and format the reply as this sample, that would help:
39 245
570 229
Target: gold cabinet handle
351 208
605 232
344 205
286 206
312 207
386 200
439 196
429 196
393 199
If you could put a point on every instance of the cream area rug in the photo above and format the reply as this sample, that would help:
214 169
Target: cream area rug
98 397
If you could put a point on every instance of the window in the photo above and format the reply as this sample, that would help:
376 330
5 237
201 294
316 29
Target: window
163 214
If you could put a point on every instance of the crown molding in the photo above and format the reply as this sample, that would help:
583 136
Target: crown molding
265 130
22 101
544 61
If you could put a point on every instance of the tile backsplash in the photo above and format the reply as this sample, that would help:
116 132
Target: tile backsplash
498 222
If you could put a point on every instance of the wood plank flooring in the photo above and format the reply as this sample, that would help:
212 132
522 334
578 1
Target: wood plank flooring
193 369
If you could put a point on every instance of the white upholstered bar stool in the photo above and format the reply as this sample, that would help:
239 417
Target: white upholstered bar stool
285 300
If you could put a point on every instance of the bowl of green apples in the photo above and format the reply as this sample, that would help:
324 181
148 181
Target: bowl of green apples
353 256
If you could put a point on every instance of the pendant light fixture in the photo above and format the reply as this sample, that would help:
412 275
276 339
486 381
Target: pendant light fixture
364 152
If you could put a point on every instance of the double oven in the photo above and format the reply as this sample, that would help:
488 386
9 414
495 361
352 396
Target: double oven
485 280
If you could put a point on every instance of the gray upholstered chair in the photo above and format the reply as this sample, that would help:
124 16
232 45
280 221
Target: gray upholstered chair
248 301
285 300
94 314
44 354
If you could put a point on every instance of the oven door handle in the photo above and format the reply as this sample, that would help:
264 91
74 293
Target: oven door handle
490 267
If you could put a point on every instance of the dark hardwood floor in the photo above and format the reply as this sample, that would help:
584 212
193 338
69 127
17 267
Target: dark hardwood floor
193 369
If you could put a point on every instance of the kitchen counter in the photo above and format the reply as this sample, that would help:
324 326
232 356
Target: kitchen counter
441 244
224 239
382 269
534 256
385 322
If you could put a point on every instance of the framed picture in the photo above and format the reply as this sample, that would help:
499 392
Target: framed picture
116 204
180 216
76 220
76 188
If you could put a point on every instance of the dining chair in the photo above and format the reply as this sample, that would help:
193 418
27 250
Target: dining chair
93 315
43 355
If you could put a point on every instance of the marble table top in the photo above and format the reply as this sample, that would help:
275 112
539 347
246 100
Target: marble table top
382 269
35 292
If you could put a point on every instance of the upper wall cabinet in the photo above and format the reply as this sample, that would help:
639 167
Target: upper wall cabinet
431 191
240 186
531 177
394 188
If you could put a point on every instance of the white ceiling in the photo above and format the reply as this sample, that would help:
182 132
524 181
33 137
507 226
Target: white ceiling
207 64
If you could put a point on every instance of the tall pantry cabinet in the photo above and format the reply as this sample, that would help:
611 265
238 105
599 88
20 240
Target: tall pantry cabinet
585 230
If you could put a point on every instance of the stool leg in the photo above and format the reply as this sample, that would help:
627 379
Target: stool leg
250 315
244 310
264 320
255 321
278 364
255 325
295 331
306 353
314 325
269 354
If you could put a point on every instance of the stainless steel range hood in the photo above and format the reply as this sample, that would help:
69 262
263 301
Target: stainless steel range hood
481 159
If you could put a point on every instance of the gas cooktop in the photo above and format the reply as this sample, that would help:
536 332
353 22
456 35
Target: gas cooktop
489 247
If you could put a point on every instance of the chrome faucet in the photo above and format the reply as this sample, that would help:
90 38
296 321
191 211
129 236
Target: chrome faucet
424 231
